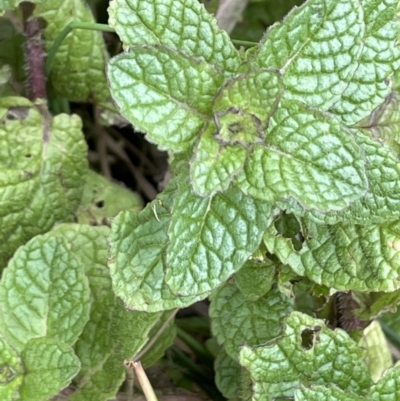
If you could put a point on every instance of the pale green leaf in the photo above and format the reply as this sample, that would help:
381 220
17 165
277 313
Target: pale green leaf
227 375
255 278
49 367
164 93
214 164
237 321
103 199
43 292
211 238
378 355
161 336
343 256
78 72
112 333
307 353
179 24
388 388
380 57
256 92
316 49
11 371
308 157
320 393
43 167
384 123
381 202
137 257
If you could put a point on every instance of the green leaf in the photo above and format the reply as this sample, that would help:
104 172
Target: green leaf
307 157
227 375
11 371
137 257
43 167
379 357
211 238
239 123
381 202
103 199
320 393
307 353
244 279
164 93
78 72
237 321
49 367
380 57
43 292
112 333
214 165
343 256
388 388
262 89
316 49
161 336
384 123
179 24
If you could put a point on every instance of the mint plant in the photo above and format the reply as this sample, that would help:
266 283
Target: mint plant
282 208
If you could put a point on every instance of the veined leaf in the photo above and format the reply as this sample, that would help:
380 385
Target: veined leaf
237 321
11 371
43 293
49 367
164 93
214 165
103 199
381 201
78 72
384 123
388 388
343 256
307 156
112 333
245 278
137 257
227 375
307 353
380 57
316 48
320 393
211 238
43 168
179 24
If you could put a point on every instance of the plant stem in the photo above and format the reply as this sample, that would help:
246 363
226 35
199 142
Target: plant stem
97 27
64 33
34 54
148 390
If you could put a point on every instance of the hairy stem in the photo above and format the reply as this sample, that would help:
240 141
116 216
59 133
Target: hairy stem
34 54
